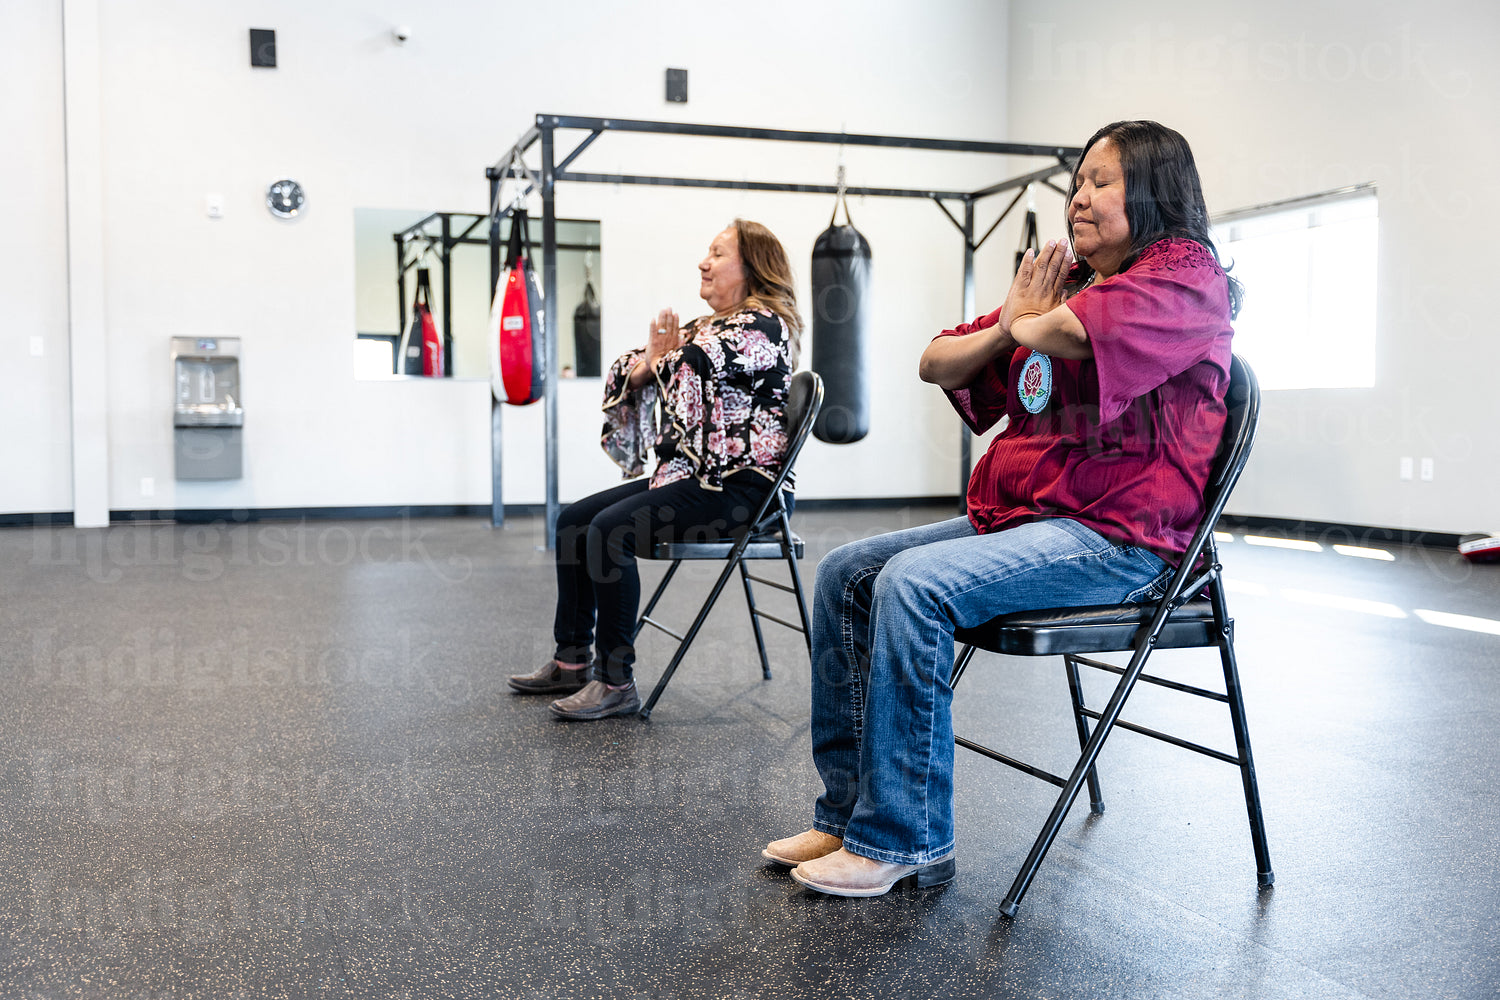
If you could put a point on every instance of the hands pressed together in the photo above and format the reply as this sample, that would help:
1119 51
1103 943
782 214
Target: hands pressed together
1038 288
953 362
664 337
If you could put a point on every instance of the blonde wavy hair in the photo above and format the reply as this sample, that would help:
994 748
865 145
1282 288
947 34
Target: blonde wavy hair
768 278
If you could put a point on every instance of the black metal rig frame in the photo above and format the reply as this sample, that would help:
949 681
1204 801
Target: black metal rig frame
512 166
414 243
416 237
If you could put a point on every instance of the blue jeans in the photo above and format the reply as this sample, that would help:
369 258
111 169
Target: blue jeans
885 610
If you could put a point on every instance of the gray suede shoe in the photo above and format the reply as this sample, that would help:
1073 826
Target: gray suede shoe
803 847
844 874
598 701
549 678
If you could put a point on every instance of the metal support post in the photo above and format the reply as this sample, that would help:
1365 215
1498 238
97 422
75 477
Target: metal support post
549 305
400 296
965 458
447 258
497 498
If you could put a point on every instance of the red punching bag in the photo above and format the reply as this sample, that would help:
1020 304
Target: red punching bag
433 358
421 348
518 336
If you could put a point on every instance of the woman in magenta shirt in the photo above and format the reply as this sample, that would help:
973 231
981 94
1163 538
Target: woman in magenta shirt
1112 372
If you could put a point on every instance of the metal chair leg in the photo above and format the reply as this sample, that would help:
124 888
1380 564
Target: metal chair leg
661 588
791 561
687 640
1075 689
1265 877
1075 781
760 640
960 665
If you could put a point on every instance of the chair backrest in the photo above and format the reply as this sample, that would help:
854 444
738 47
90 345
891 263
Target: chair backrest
804 400
1243 403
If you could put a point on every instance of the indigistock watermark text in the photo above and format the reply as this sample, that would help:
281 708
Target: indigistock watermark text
160 786
1237 57
206 552
158 658
165 901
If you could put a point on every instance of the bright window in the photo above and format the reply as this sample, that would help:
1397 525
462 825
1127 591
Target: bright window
1308 267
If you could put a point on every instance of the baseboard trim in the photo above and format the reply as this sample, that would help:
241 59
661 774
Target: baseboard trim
234 515
243 515
60 518
1333 532
883 503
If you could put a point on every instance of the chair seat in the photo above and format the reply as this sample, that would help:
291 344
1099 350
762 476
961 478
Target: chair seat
1099 628
763 545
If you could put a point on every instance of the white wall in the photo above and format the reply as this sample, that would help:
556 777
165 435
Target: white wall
1279 99
1285 98
362 122
35 452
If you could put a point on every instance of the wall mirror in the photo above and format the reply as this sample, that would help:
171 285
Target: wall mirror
395 249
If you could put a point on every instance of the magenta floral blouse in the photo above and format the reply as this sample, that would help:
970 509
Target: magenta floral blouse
716 406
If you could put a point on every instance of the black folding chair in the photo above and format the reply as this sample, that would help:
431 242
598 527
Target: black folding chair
770 537
1193 613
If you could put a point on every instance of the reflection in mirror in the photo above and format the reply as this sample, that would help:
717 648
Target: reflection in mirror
392 247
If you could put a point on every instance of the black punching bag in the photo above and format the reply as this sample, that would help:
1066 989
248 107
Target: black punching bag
586 358
840 329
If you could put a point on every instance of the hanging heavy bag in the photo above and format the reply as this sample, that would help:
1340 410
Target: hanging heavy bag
518 351
411 346
434 361
586 357
840 328
434 358
421 333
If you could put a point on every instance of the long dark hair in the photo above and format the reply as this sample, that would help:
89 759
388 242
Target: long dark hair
1163 197
768 277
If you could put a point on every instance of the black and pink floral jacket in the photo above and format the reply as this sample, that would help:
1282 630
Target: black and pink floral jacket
722 396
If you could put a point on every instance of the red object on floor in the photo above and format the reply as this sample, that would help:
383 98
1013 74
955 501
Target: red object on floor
1480 548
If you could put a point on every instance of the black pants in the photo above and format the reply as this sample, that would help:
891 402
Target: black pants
598 585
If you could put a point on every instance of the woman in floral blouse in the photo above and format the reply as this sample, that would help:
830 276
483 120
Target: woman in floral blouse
710 397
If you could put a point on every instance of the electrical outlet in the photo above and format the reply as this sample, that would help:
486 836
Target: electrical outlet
1426 470
148 486
38 347
213 204
1406 468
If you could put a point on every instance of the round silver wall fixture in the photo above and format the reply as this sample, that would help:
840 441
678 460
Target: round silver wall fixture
285 198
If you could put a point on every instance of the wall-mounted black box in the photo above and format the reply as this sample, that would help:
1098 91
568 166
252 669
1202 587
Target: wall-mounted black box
263 47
